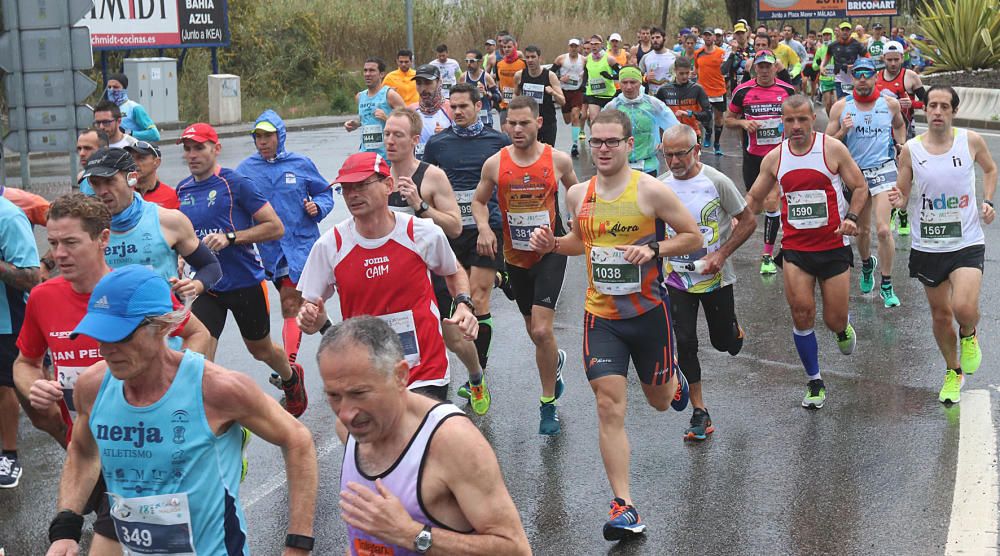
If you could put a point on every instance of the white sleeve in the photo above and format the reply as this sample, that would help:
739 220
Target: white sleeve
729 195
317 280
433 247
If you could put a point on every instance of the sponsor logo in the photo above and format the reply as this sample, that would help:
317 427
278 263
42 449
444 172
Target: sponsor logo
102 303
944 202
139 435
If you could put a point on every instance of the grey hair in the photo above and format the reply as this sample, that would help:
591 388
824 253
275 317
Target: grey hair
385 351
681 132
169 322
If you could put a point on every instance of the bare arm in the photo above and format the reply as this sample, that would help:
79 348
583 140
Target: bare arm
351 125
898 122
517 84
981 154
745 225
543 239
268 227
444 209
83 462
833 127
855 181
487 242
395 101
195 335
567 173
669 208
556 89
19 278
900 195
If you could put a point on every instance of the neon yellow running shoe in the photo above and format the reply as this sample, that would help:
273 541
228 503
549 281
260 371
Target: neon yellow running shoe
971 355
847 340
247 435
951 391
479 397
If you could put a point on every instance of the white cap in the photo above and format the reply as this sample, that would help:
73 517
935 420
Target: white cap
615 37
719 31
574 42
893 46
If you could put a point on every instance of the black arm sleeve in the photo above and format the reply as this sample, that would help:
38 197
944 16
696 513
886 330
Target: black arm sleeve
921 93
205 264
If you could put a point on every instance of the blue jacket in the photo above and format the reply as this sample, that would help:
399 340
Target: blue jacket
286 181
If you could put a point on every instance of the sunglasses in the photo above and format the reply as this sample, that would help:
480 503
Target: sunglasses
471 60
864 73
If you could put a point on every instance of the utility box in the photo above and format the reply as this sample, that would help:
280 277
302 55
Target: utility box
225 101
152 82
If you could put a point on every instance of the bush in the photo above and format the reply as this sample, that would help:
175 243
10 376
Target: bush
961 34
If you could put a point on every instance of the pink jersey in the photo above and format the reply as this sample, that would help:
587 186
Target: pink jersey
389 278
812 199
762 104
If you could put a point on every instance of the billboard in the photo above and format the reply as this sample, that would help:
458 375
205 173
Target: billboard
801 9
135 24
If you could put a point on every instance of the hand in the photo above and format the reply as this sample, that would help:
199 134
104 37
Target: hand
548 89
465 321
988 213
896 198
437 128
486 245
482 90
542 240
637 254
751 126
650 76
67 547
408 190
45 393
565 78
905 103
216 242
848 228
351 125
312 209
847 123
380 114
187 288
713 263
311 316
378 513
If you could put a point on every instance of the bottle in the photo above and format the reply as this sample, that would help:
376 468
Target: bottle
695 266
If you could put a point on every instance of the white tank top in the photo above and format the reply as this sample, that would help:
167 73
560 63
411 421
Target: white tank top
574 70
945 197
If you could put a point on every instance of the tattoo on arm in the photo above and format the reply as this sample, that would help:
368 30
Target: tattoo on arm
20 278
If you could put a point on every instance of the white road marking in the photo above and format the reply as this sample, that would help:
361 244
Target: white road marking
279 480
973 528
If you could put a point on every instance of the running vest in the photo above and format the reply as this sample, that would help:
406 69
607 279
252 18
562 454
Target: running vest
597 84
485 114
402 479
639 52
870 139
528 200
431 123
896 86
534 87
396 201
616 288
762 104
372 127
812 199
505 79
143 245
173 484
945 186
876 48
574 70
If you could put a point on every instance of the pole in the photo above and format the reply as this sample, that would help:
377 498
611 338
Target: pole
24 163
215 60
666 12
68 75
409 25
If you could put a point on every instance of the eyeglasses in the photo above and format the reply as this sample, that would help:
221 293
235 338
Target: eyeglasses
128 338
103 123
348 187
679 155
612 143
863 73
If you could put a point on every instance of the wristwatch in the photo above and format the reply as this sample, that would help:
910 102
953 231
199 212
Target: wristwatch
655 247
299 541
422 542
424 207
852 217
987 201
465 299
231 236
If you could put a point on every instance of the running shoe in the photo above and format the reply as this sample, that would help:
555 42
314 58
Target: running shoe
904 223
707 143
295 400
718 149
893 215
971 355
767 265
275 380
868 275
889 298
738 341
480 397
681 397
247 436
502 281
549 423
10 471
847 340
560 383
464 391
574 151
623 521
951 391
701 425
815 394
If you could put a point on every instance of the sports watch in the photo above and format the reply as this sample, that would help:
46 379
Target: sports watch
422 542
852 217
231 236
465 299
424 207
301 542
655 247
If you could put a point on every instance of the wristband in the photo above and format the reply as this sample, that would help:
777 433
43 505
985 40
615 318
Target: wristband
301 542
852 217
66 525
989 202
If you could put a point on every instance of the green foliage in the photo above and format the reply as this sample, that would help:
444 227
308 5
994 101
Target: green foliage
693 16
962 34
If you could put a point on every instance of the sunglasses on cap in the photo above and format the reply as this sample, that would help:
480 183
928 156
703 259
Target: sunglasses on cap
863 73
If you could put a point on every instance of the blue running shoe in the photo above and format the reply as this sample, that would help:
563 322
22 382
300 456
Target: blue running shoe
560 383
680 401
549 425
624 521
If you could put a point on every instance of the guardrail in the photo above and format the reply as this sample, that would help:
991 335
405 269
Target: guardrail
978 108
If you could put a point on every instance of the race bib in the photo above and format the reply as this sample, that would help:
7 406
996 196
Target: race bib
521 225
941 227
714 99
881 179
598 85
464 199
807 209
847 87
418 151
365 547
404 326
484 115
446 90
507 92
67 381
611 274
769 132
534 91
573 83
153 524
371 137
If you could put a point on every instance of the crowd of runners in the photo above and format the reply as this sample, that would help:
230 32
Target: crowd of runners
454 192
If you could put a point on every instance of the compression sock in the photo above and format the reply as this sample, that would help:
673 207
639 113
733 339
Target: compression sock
886 281
772 223
485 338
549 399
805 344
291 336
574 133
769 249
718 135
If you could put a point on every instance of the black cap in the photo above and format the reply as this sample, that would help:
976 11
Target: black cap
144 147
106 162
427 71
877 26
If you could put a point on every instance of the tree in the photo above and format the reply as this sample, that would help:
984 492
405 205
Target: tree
742 9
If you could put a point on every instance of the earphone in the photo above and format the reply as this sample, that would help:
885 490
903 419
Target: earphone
132 182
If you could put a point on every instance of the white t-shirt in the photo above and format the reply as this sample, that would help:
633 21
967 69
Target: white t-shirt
449 74
662 66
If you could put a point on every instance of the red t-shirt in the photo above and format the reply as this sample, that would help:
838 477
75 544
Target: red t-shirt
163 195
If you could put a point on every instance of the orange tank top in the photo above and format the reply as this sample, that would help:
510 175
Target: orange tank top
505 75
528 200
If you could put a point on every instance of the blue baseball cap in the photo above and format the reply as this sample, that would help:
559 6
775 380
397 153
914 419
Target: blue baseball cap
121 301
864 63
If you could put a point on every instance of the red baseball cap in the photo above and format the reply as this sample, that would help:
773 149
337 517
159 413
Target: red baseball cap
199 133
360 166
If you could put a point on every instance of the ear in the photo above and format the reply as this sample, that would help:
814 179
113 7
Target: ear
104 237
401 373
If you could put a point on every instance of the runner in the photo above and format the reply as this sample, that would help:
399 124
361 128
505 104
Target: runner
599 73
763 42
827 85
489 63
615 218
87 144
108 118
34 206
449 68
708 62
433 108
687 99
756 109
507 67
876 44
374 105
483 81
147 159
948 248
811 170
543 86
841 54
787 39
658 64
872 128
420 450
643 45
302 198
569 67
648 116
525 178
378 262
714 201
149 390
401 79
737 65
615 50
230 215
690 43
135 119
19 273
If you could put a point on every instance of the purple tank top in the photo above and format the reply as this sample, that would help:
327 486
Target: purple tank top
401 479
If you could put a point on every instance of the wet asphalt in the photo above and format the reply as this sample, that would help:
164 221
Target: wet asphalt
873 472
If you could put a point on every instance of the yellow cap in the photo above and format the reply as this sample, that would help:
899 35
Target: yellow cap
266 126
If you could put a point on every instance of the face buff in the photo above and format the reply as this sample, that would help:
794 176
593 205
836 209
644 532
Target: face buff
432 105
118 96
128 218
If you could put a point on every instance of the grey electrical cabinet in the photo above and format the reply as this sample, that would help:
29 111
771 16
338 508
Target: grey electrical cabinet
152 82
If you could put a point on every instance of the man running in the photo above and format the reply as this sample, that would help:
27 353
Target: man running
827 85
658 64
705 277
708 64
541 85
433 107
425 499
756 109
599 73
643 45
615 216
488 90
876 44
810 170
842 54
948 247
108 118
525 178
787 39
648 116
687 99
378 262
738 65
374 105
302 198
230 215
177 420
569 68
87 143
507 67
449 68
872 127
401 79
147 159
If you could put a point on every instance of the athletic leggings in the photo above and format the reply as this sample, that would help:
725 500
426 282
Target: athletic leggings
720 312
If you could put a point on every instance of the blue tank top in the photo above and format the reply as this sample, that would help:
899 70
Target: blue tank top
485 114
870 139
372 127
173 484
143 245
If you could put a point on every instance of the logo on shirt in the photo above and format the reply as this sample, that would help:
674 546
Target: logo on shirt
289 178
613 230
944 202
121 250
211 197
376 266
102 303
139 436
187 200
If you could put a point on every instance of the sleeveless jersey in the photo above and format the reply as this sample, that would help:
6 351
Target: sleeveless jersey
432 122
372 127
486 113
762 104
812 199
896 86
870 139
597 84
528 200
945 186
173 483
505 79
534 87
639 52
574 70
143 245
402 479
396 201
617 289
621 58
